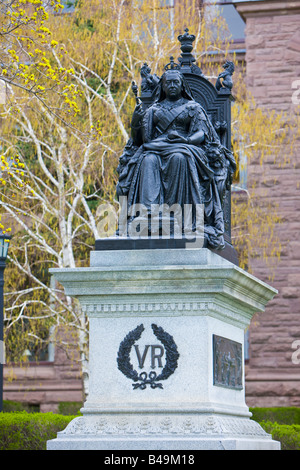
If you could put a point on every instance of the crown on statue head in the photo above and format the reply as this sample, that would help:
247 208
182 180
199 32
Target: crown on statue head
172 65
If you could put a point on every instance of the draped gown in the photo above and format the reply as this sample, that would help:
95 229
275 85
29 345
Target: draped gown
162 172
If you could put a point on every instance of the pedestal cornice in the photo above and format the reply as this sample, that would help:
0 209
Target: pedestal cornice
182 287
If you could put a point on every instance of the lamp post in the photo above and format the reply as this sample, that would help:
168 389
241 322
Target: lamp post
4 243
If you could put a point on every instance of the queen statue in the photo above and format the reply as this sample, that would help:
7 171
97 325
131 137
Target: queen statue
175 157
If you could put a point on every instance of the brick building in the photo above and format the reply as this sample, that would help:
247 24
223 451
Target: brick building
272 43
267 34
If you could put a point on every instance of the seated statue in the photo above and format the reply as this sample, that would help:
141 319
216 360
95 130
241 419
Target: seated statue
174 156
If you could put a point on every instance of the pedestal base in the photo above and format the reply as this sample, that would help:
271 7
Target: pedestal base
122 243
168 443
163 432
166 342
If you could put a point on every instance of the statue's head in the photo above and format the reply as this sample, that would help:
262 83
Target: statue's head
173 85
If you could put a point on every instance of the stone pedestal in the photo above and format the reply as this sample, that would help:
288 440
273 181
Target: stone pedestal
166 352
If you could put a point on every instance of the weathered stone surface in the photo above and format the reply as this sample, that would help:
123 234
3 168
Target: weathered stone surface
201 308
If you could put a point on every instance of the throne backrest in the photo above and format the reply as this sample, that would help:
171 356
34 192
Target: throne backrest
216 104
218 107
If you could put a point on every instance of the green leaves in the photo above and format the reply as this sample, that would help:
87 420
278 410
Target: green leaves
30 431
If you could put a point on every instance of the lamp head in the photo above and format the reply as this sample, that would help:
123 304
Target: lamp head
4 244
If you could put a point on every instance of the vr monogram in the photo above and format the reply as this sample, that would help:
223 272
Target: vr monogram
167 348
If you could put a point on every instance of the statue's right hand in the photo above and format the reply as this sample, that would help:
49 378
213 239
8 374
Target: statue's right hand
139 112
139 109
137 116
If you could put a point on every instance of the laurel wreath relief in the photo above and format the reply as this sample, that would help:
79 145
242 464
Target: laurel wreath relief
143 379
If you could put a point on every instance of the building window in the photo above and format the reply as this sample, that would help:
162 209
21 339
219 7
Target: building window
235 23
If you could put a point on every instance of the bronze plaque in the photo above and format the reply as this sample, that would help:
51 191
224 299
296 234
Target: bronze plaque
227 363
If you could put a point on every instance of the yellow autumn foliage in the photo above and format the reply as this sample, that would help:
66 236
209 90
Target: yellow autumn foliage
68 145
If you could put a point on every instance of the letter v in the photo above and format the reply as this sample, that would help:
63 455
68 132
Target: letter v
142 358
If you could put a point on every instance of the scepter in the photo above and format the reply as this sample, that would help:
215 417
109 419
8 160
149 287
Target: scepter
134 88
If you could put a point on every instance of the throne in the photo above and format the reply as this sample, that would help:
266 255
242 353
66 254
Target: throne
216 100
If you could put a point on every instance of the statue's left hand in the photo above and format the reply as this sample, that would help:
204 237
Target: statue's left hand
175 138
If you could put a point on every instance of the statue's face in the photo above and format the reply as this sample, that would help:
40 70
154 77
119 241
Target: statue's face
172 84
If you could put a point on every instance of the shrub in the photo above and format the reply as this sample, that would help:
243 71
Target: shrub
288 435
280 415
69 407
30 431
9 406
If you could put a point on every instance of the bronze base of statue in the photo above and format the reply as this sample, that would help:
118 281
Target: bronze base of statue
123 243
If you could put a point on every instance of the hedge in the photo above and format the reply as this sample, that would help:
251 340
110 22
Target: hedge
10 406
283 415
288 435
69 407
64 407
30 431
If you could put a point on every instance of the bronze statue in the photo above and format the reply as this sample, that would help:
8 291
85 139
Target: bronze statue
175 156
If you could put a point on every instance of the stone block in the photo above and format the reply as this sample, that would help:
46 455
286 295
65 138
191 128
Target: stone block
166 352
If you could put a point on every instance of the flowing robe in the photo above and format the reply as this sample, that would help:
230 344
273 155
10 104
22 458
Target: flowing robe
162 172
